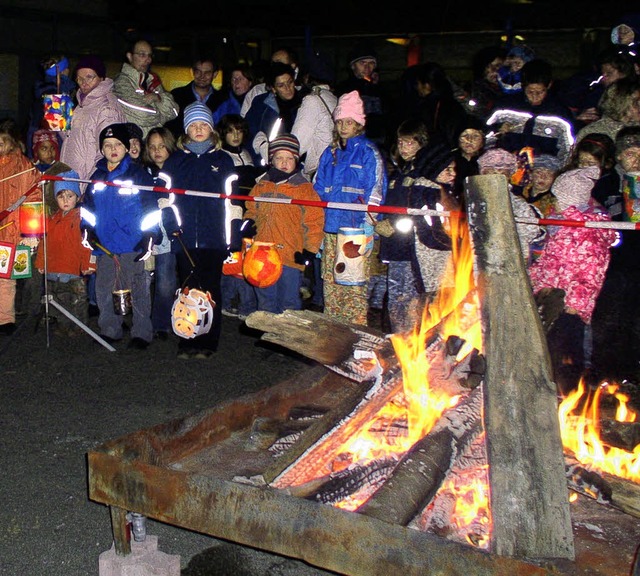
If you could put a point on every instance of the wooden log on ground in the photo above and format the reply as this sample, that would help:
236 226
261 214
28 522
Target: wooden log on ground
529 495
415 481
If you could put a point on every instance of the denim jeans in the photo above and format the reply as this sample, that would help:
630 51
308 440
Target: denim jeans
284 294
238 289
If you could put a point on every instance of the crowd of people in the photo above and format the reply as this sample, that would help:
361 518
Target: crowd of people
568 149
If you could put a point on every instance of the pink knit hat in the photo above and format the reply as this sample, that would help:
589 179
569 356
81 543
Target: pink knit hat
573 188
350 106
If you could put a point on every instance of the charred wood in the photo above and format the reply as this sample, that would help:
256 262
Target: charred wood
417 478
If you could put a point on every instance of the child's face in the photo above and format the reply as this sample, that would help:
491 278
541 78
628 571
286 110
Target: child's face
630 159
535 93
135 147
347 128
586 159
234 137
284 161
6 146
46 153
157 150
199 131
113 150
515 63
542 179
408 147
470 142
66 200
448 175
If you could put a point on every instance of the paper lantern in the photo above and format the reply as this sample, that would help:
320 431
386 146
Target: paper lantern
262 266
192 313
31 219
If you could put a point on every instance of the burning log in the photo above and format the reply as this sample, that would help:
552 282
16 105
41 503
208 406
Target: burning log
417 478
529 499
605 488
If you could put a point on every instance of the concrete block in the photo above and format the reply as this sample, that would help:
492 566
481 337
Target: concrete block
145 560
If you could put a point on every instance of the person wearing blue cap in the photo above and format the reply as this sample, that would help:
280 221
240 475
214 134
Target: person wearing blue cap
67 260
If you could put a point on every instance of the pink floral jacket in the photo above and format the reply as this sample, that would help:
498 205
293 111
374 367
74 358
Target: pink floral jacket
575 259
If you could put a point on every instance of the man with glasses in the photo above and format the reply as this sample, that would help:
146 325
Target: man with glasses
200 89
140 91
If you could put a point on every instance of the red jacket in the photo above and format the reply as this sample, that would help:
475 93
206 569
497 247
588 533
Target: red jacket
65 252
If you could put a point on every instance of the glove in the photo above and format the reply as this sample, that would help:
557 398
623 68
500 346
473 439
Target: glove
145 246
305 257
384 228
248 228
89 239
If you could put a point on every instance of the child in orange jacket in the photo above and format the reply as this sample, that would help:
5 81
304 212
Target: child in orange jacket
67 259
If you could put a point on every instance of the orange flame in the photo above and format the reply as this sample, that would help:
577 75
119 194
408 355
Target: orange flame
579 415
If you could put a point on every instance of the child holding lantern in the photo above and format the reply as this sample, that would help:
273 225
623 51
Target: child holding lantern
296 228
352 171
67 259
17 176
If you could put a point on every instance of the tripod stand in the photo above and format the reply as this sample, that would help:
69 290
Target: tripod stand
49 300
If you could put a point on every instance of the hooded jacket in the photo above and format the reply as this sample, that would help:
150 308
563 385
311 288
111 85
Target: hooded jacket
117 214
355 175
80 144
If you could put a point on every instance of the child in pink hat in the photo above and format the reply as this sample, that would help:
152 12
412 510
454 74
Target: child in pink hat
351 171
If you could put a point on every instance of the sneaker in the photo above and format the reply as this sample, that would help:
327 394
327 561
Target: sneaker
231 312
186 353
203 354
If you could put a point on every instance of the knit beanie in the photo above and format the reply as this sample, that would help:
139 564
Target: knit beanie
60 185
546 161
134 131
93 63
350 105
117 131
499 159
285 142
433 159
362 51
41 136
573 188
197 112
524 52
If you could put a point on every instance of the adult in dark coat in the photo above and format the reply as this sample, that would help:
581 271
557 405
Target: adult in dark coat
199 89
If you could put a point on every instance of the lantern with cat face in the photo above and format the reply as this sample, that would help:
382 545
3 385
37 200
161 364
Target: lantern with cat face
192 313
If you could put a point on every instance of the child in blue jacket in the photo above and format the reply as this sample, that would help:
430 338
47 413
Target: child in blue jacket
119 223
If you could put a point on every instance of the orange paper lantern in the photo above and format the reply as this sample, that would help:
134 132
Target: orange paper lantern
262 266
31 219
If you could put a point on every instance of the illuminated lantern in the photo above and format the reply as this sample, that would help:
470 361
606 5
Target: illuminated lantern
31 219
262 266
192 313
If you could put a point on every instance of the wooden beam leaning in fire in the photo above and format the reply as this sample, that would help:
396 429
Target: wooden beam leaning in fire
529 495
355 352
417 478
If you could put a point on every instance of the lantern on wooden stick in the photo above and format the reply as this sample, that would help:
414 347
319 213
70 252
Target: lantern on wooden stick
32 218
262 266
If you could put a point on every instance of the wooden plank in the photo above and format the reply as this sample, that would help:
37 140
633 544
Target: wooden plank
529 495
324 536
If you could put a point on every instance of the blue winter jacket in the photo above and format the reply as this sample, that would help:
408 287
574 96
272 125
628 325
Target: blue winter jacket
206 223
357 175
117 214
